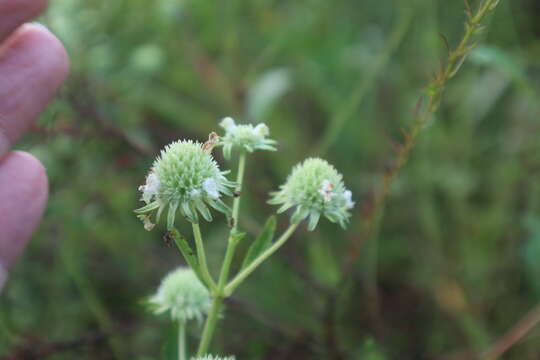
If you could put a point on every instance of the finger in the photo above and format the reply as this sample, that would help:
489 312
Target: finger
13 13
23 195
33 64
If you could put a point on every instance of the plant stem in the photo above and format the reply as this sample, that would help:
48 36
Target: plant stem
514 335
231 246
211 321
201 256
251 267
210 325
239 180
181 340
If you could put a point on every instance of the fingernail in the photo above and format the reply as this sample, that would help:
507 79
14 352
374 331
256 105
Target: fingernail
3 277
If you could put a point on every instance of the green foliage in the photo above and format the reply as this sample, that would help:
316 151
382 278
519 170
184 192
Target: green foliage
262 242
456 260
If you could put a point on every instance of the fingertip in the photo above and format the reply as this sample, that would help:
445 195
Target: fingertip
23 195
53 54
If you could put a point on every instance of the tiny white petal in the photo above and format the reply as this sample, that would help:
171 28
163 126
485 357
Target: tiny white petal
326 190
261 130
151 188
228 124
347 195
211 188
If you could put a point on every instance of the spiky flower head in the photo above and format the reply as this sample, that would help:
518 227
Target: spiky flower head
185 178
315 188
211 357
245 137
182 295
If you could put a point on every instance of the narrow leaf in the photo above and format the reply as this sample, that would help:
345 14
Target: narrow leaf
187 252
263 241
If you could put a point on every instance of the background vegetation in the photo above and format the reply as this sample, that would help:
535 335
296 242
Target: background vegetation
454 262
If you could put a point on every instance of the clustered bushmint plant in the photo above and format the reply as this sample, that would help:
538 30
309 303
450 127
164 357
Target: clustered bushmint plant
186 180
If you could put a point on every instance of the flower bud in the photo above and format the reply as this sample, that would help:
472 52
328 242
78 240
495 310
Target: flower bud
245 137
182 295
315 188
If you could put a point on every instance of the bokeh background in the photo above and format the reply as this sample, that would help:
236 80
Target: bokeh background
455 260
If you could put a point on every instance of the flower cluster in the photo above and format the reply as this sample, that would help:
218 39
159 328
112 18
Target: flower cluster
315 188
183 295
185 177
211 357
245 137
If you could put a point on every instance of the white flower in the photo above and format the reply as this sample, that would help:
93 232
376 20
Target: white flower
186 179
245 137
211 188
212 357
151 188
326 190
314 188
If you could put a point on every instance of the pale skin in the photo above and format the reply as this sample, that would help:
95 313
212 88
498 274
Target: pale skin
33 65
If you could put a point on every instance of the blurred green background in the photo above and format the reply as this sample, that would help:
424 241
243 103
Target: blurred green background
455 262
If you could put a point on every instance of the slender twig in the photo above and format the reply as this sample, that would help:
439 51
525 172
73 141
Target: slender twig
422 114
513 336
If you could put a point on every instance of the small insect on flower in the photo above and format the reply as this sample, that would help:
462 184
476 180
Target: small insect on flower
184 178
212 357
182 295
245 137
315 188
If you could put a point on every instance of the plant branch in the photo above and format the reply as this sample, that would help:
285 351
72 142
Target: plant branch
242 275
513 336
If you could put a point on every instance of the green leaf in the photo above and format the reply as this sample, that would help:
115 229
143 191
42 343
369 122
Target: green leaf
263 241
188 253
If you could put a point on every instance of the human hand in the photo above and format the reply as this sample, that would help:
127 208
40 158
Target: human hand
33 64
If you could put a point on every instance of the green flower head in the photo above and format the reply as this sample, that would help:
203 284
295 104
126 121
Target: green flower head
211 357
182 295
185 177
245 137
315 188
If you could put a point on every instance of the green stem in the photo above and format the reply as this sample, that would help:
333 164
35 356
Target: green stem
210 325
182 340
211 321
239 180
233 240
201 256
242 275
